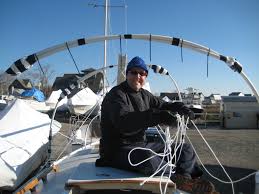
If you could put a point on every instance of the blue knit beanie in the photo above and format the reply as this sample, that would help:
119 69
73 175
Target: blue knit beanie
137 62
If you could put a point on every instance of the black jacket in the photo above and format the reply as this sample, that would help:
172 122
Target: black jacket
126 114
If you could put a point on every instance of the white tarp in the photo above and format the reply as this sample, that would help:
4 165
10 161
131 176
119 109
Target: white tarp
53 99
24 133
82 101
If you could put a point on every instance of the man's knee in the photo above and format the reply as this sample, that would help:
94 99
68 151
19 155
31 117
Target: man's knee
187 148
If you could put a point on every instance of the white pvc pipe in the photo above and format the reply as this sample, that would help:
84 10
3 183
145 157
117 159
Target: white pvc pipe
157 38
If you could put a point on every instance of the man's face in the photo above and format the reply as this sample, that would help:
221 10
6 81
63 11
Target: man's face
136 78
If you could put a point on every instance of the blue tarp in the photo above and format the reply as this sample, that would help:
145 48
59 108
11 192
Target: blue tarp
37 94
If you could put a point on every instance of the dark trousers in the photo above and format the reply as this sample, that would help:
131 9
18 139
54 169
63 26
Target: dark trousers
186 165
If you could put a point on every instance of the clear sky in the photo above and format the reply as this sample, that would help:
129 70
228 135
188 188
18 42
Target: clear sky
230 27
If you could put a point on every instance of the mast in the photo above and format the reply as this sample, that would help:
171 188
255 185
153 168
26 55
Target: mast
105 31
106 11
105 42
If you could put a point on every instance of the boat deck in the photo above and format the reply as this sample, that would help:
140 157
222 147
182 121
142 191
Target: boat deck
238 151
78 173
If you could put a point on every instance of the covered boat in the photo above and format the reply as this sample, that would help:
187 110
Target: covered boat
24 136
53 99
83 101
35 93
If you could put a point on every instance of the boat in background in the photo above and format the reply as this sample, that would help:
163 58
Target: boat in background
24 134
35 99
53 99
36 105
83 102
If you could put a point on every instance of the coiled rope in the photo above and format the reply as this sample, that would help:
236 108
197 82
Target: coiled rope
170 158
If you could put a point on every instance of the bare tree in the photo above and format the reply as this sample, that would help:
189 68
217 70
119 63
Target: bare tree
5 81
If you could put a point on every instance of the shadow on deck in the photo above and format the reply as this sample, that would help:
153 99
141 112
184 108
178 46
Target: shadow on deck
246 186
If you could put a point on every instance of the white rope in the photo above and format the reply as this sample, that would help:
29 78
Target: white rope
62 134
220 180
178 139
167 156
88 129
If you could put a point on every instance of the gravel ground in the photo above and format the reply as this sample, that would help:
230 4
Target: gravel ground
237 150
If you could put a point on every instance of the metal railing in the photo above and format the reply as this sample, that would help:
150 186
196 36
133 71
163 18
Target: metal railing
205 118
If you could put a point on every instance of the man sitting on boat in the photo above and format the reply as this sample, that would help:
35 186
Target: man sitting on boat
127 111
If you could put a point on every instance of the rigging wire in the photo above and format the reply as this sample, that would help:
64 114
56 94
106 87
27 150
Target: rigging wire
39 64
208 63
44 74
72 58
182 50
150 40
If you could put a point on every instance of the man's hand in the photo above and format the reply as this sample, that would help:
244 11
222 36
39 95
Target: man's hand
167 118
187 112
181 109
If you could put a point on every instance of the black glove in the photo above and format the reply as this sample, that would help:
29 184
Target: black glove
180 108
167 118
184 110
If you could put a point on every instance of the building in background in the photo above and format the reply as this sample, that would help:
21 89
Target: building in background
18 86
239 112
212 99
95 83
